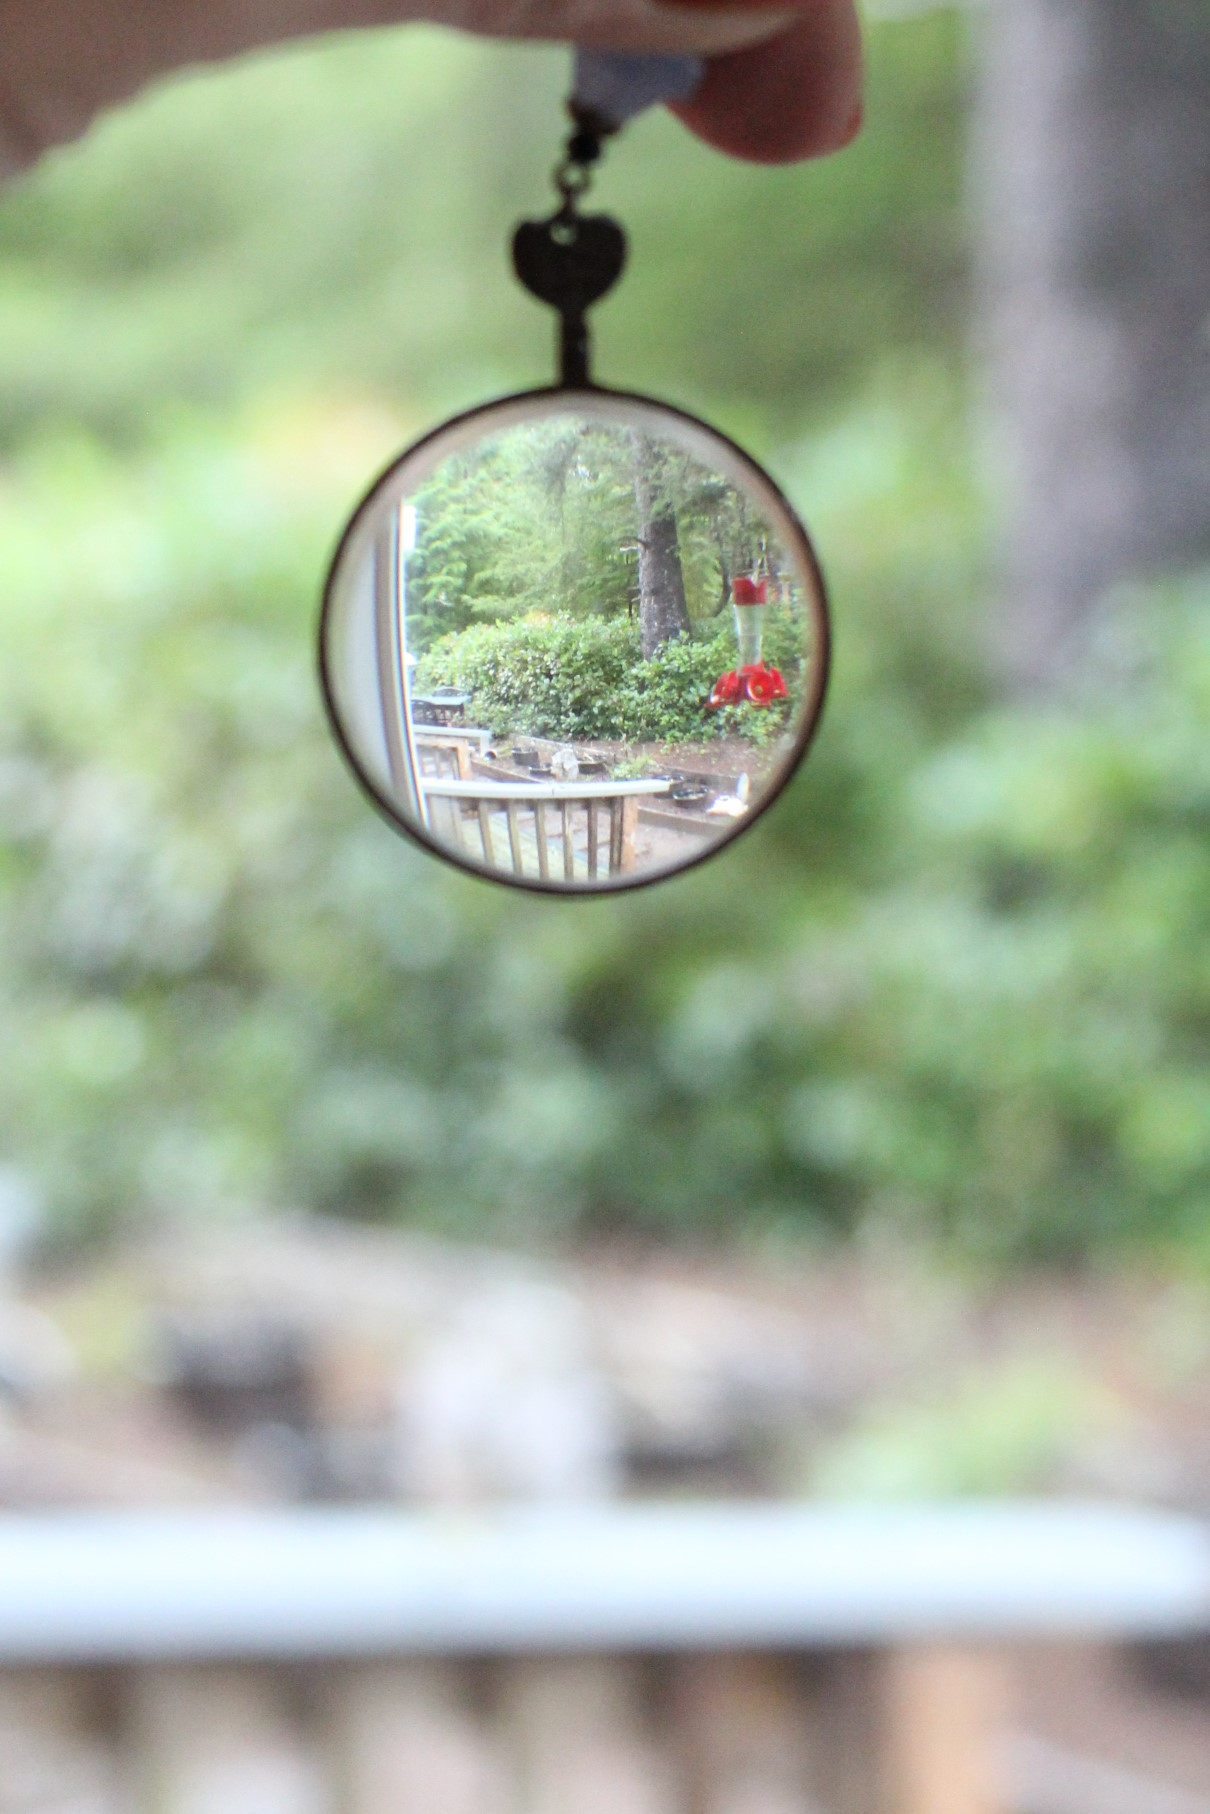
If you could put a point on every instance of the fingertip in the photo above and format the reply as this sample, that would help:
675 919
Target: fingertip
795 96
853 126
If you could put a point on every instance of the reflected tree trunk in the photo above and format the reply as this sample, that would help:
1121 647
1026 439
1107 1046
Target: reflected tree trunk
663 612
1093 192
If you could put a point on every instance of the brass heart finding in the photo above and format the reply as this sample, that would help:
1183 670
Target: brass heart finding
569 261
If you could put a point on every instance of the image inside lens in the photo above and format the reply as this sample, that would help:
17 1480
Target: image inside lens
574 641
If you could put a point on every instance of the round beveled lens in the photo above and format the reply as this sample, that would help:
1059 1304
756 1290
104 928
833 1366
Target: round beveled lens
574 641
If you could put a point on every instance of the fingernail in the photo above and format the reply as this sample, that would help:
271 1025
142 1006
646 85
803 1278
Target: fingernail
738 6
853 125
707 28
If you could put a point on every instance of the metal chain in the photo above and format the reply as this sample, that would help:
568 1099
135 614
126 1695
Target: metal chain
573 173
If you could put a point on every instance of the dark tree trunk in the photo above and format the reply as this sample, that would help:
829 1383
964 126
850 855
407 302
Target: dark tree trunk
663 613
1093 193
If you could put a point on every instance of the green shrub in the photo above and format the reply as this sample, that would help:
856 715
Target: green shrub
1012 1428
1012 1049
582 678
545 677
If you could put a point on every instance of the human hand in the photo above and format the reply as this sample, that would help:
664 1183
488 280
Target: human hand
783 79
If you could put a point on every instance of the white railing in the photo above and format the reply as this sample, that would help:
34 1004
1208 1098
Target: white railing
627 1660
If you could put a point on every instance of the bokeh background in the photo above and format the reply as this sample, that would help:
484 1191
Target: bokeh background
955 987
923 1063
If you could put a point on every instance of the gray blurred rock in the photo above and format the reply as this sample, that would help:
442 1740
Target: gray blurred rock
506 1399
703 1379
231 1370
36 1358
503 1377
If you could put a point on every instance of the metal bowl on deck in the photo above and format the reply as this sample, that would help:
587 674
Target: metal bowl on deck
689 793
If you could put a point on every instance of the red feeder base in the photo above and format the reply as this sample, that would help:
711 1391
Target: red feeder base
755 685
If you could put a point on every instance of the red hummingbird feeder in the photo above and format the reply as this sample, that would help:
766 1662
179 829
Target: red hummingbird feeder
752 683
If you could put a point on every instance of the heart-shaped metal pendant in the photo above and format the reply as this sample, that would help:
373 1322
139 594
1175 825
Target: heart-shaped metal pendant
569 261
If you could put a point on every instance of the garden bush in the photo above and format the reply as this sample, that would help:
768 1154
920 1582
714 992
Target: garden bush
583 678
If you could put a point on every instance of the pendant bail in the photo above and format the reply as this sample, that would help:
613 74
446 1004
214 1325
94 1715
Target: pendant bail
611 87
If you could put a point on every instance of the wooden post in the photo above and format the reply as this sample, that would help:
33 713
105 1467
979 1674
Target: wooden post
485 832
850 1765
445 820
569 852
579 1741
407 1740
946 1712
592 811
630 826
540 835
745 1730
514 837
219 1740
50 1756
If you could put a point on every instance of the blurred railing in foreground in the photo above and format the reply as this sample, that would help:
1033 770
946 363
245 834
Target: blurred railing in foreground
635 1660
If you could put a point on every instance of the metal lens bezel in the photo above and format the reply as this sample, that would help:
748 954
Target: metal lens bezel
462 430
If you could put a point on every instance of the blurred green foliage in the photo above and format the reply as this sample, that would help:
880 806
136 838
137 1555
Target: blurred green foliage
320 216
956 980
1022 1427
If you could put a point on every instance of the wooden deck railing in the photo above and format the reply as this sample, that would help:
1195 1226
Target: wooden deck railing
636 1661
563 830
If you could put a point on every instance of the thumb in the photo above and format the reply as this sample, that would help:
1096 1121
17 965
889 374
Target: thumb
792 96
